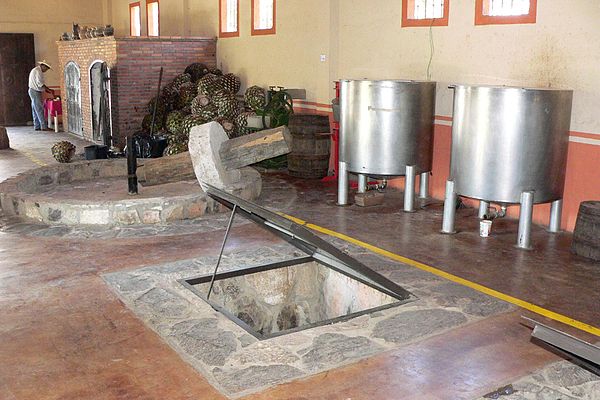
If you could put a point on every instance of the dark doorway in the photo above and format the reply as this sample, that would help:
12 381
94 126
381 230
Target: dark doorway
73 98
100 91
17 58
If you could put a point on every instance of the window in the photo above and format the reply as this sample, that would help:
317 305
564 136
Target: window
263 17
152 21
135 19
229 18
425 12
489 12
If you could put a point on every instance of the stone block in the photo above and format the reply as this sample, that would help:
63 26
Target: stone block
70 215
255 376
415 324
369 199
128 217
6 204
197 209
65 177
204 144
94 217
173 214
32 211
45 180
54 214
332 348
151 217
202 338
80 172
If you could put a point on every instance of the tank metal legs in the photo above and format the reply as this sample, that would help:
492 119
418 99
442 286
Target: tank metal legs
525 215
362 183
409 189
525 221
483 208
342 184
424 185
555 216
449 209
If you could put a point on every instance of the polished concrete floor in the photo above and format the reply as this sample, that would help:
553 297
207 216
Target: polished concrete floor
65 335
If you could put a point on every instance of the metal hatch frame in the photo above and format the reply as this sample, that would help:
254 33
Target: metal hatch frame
584 353
304 240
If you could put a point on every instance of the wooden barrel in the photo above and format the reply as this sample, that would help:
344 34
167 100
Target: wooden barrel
311 140
586 237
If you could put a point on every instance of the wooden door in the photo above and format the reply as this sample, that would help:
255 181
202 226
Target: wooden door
73 98
17 58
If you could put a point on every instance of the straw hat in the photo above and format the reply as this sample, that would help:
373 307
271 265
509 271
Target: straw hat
43 62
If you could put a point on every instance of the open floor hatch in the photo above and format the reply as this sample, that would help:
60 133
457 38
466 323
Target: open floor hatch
325 286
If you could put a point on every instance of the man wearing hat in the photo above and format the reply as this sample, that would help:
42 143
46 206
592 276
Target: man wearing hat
36 86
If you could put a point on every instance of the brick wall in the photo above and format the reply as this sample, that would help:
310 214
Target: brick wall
134 69
138 68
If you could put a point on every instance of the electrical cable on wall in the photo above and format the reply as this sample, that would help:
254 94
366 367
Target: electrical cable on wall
431 50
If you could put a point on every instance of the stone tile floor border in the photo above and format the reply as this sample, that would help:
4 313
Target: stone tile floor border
208 223
563 380
238 364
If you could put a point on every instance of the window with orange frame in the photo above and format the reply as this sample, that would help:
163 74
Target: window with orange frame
153 17
264 14
229 18
491 12
135 19
425 12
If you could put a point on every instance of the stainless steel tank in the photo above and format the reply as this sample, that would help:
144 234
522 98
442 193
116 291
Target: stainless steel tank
386 130
507 141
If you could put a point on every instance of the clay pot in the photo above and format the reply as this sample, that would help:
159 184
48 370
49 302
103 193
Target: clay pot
109 30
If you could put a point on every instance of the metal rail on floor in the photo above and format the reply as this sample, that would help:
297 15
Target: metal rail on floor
585 353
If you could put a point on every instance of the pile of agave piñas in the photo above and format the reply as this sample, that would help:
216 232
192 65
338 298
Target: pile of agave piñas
198 96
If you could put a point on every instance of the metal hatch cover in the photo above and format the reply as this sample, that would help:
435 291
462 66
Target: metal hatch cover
303 239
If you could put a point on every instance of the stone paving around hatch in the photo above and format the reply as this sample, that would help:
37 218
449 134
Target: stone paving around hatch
237 363
562 380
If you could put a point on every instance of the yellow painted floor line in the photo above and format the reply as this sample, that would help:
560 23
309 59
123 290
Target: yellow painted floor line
476 286
33 158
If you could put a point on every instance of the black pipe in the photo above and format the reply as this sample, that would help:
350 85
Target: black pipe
131 167
156 102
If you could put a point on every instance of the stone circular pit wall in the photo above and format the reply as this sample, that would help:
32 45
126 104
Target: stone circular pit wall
24 196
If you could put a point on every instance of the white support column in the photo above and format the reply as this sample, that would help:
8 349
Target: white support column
362 183
525 221
483 208
409 189
342 184
449 209
555 216
424 185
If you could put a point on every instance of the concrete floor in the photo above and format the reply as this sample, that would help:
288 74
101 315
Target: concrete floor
65 335
30 149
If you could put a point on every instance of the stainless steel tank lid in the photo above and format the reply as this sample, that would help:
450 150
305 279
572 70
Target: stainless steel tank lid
466 85
387 80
